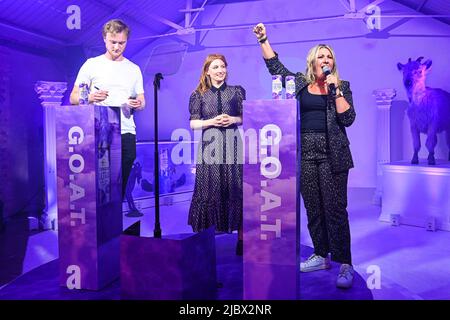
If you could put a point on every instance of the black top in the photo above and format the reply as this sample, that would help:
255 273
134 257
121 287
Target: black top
215 101
313 111
219 96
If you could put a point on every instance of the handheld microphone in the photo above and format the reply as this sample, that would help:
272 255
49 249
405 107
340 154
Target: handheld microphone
326 70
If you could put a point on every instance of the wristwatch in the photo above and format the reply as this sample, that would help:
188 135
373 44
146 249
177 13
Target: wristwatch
338 95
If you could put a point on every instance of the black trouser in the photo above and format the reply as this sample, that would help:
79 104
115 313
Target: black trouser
324 193
128 157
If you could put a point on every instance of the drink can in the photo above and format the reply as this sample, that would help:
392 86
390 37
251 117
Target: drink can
277 87
83 94
290 87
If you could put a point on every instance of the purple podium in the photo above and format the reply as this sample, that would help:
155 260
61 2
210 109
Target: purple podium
271 206
176 267
88 154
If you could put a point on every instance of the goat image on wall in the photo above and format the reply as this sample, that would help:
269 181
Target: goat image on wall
429 108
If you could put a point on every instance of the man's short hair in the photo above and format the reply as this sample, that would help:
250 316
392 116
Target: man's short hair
115 26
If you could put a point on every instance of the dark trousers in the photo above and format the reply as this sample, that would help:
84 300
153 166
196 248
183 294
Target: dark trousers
128 157
325 196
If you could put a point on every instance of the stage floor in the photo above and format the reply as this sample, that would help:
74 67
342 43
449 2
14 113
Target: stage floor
41 283
411 260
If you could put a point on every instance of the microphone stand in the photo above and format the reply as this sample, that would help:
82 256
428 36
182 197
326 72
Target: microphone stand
156 86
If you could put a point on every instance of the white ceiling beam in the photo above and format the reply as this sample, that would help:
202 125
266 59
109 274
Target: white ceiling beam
187 14
241 26
202 8
413 16
345 4
164 21
352 5
375 3
419 8
190 10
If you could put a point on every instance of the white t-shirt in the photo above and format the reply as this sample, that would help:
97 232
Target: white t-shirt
122 79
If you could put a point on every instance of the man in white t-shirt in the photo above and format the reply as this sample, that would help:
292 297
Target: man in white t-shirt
114 80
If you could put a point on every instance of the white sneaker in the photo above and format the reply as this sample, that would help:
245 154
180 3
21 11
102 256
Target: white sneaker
345 276
314 263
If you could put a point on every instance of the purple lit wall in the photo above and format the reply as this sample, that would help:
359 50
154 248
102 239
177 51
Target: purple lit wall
368 63
25 128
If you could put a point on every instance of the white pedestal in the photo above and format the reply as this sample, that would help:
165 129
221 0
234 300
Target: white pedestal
383 99
51 93
418 194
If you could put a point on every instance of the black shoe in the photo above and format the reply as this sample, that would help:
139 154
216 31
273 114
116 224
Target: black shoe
134 214
240 248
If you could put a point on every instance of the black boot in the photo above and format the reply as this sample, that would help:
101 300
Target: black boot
431 160
240 248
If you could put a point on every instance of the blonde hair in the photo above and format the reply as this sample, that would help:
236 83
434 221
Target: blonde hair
311 61
205 81
115 26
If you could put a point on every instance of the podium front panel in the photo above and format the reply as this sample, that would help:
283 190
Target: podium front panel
89 195
271 211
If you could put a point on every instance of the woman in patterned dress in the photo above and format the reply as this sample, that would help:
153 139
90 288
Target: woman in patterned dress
216 109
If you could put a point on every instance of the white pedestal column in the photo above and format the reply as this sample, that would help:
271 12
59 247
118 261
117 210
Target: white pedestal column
383 99
51 94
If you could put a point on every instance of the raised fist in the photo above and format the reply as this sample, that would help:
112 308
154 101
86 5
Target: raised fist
260 31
